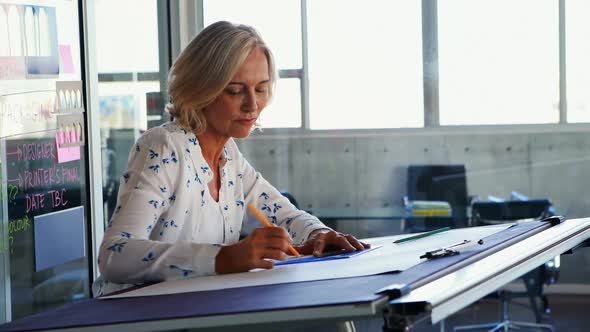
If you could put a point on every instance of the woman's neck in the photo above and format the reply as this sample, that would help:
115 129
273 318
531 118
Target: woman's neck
212 147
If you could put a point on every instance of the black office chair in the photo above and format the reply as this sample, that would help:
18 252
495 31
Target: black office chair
291 198
437 183
497 212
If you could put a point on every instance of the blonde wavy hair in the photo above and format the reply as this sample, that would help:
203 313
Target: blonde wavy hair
206 66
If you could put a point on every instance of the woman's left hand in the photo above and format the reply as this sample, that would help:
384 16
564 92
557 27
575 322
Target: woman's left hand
326 240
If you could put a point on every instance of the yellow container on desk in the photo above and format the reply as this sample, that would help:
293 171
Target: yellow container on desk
429 209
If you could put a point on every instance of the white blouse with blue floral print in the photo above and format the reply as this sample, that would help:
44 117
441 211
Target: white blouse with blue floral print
166 224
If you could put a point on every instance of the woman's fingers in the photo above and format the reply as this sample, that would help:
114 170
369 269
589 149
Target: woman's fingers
263 264
263 261
342 242
271 237
355 243
254 251
331 240
278 243
319 244
275 254
307 248
337 240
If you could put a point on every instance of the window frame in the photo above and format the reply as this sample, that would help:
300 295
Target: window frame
429 62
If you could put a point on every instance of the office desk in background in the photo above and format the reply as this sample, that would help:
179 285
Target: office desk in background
359 213
399 215
427 292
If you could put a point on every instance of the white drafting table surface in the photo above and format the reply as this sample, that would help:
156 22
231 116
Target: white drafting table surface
456 290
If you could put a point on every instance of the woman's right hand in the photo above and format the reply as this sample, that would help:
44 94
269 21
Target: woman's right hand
252 252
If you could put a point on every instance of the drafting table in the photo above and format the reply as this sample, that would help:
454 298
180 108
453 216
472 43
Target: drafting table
429 291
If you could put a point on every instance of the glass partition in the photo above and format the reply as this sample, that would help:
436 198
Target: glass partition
129 83
44 203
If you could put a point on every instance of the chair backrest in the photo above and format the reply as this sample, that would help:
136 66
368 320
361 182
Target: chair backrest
504 211
440 183
291 198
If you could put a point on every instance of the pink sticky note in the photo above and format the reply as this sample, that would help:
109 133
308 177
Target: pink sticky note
65 54
66 154
12 68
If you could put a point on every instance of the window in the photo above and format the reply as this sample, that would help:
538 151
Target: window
130 100
365 64
577 55
498 62
285 108
279 23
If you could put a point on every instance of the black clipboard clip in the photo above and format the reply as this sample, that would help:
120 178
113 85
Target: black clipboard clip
455 249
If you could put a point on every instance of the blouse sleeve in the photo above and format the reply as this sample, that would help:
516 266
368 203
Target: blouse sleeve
147 190
276 207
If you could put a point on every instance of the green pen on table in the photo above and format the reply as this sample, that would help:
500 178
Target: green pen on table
419 236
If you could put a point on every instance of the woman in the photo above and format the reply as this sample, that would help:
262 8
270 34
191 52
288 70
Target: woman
182 199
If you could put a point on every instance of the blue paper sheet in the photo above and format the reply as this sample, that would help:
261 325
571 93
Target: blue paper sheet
312 259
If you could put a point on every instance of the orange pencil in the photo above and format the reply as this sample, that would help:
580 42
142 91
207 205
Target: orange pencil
268 224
